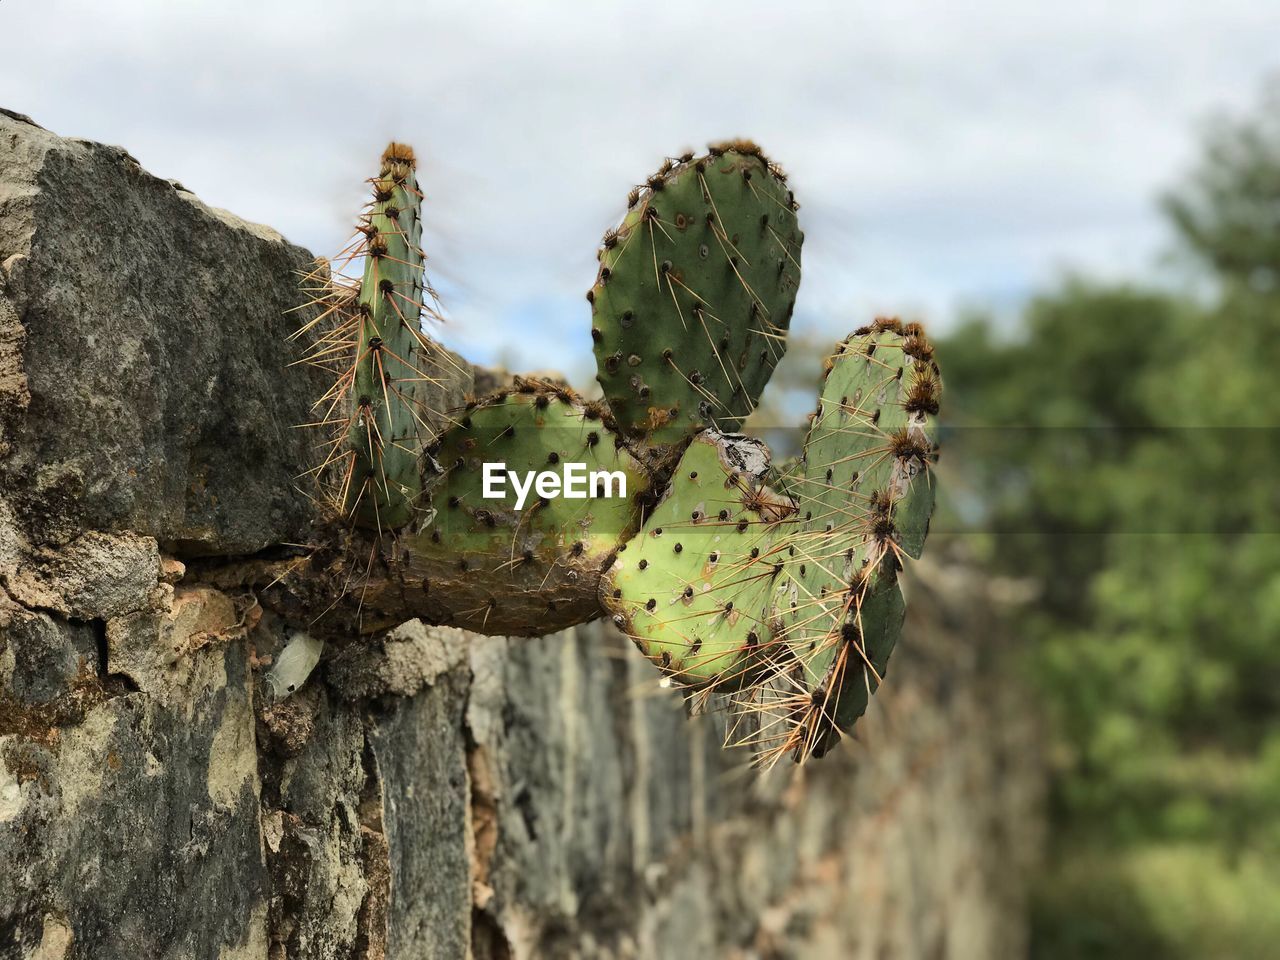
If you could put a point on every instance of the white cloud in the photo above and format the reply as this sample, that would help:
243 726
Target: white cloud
943 153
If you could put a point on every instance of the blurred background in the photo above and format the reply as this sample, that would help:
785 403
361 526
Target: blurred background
1081 201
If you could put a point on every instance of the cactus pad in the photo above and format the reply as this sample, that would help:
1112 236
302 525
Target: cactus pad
694 293
371 344
866 493
692 589
384 434
483 564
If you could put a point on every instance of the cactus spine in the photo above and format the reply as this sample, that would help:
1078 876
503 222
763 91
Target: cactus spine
865 488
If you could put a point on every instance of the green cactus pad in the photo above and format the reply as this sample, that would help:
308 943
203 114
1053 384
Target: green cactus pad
485 565
383 484
694 293
866 493
692 590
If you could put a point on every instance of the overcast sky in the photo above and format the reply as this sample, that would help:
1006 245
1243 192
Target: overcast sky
945 155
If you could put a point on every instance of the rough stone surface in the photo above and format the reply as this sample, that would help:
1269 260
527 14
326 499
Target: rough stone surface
429 793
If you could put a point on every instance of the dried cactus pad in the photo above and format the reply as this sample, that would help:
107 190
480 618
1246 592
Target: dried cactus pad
692 590
866 492
486 565
694 293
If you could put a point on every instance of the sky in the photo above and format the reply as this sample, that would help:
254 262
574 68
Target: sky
946 156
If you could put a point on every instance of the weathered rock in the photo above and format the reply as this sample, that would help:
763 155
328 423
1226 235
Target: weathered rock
428 793
93 577
132 828
404 661
519 798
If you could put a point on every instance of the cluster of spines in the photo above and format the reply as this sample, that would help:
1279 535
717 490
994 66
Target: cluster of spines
856 532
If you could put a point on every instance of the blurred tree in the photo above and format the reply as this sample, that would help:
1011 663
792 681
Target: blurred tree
1229 211
1125 449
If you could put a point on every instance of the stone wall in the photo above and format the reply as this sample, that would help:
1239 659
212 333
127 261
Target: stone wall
431 794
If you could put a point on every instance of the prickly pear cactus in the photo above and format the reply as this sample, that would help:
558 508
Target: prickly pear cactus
694 293
866 492
496 564
776 586
693 588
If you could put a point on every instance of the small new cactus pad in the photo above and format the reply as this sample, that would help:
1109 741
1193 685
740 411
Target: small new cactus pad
384 484
499 565
694 293
373 346
693 588
866 492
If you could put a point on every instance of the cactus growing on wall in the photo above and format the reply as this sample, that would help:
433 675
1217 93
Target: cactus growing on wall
776 588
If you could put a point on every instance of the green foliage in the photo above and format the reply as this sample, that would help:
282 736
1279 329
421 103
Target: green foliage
1116 502
1160 900
694 294
1229 212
